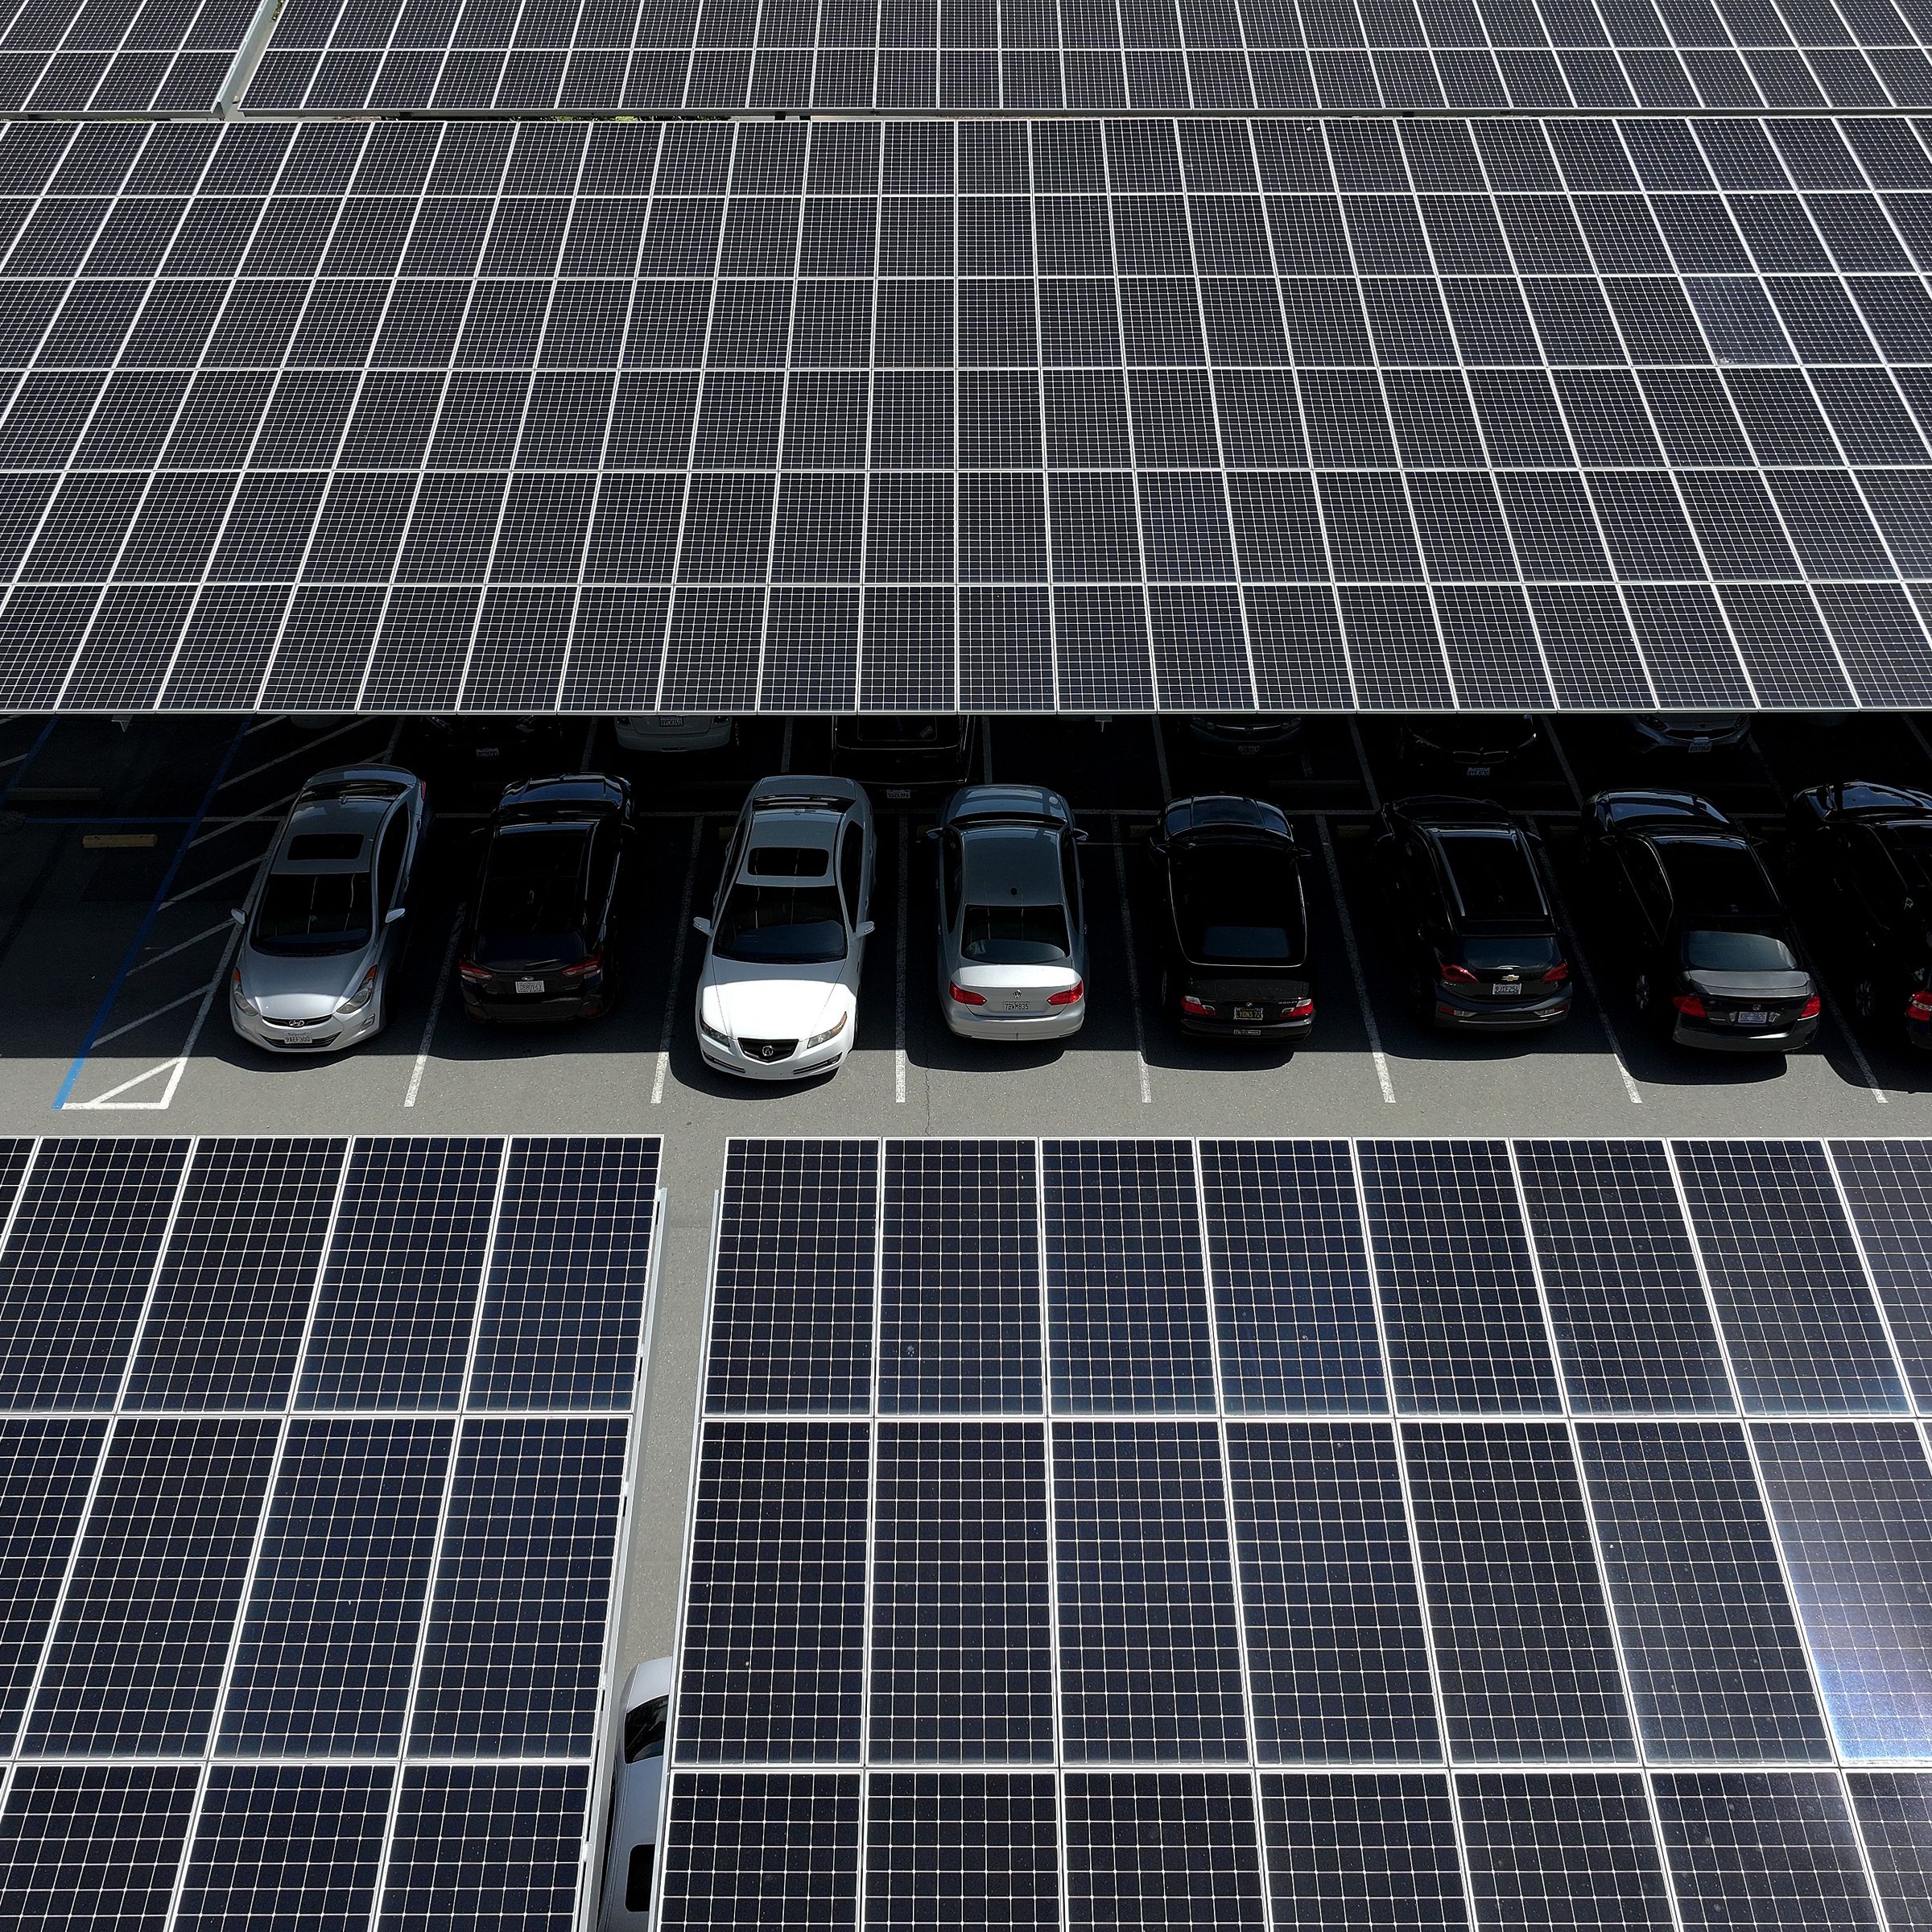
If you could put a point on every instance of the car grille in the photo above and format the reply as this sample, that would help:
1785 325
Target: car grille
324 1020
767 1050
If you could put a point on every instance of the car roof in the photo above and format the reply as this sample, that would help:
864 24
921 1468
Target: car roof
651 1678
1224 811
573 795
313 818
1018 865
1430 810
1008 802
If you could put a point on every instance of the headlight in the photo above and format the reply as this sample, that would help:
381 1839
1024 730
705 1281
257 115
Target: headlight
712 1033
831 1033
241 998
364 992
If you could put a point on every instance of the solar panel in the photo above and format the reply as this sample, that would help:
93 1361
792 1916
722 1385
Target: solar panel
46 1470
1887 1188
1361 1853
1162 1854
448 415
750 1847
70 59
1894 1812
93 1845
991 1843
1572 1849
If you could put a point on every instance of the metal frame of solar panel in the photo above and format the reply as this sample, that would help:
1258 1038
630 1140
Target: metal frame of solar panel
316 1457
1198 416
1305 1534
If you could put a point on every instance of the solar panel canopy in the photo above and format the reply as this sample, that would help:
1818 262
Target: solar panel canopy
1303 1533
315 1463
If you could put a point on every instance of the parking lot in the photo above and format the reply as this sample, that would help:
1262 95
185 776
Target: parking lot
123 852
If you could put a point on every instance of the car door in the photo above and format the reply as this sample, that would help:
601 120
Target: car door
1649 895
952 871
392 854
855 888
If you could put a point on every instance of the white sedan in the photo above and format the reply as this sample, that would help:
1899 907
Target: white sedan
630 1860
779 996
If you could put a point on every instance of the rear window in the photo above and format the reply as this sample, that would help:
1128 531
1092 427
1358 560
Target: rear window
899 734
1912 845
786 862
1014 935
534 883
1720 951
302 912
1238 905
1494 877
644 1730
309 846
1708 877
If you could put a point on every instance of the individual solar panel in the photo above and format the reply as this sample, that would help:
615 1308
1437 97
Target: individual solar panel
77 1267
1162 1854
568 1273
1154 1673
393 1322
1291 1290
233 1293
961 1641
1760 1850
772 1656
329 1644
286 1842
1337 1654
1570 1850
1852 1505
1716 1667
135 1663
792 1303
1888 1187
46 1471
1363 1854
514 1655
1632 1328
67 58
1894 1812
991 1843
745 1847
93 1845
1458 1288
1523 1641
960 1277
1798 1313
1126 1285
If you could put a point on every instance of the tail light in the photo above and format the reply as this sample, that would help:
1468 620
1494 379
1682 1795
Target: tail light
1199 1008
1557 973
1452 975
1919 1006
1689 1005
1812 1008
964 996
1301 1010
1067 995
584 969
477 975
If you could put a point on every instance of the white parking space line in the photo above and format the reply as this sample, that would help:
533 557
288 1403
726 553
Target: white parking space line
677 965
155 958
301 751
1347 926
265 723
268 815
898 1015
194 891
1580 961
134 1026
1836 1014
1361 758
1160 761
436 1008
1133 970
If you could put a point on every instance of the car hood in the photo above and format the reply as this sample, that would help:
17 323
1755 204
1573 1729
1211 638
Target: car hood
289 988
1774 985
764 1002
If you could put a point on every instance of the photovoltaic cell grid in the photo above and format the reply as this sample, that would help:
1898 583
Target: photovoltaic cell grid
314 1462
998 415
1308 1534
136 57
1474 56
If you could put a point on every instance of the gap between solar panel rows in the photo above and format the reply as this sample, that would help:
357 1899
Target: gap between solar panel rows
335 1438
1043 1478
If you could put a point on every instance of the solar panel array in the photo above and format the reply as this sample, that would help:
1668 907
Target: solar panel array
993 416
315 1461
1306 1533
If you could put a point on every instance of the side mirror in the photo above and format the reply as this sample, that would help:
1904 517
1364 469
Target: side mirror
1079 837
703 926
1158 847
933 833
239 915
394 914
865 928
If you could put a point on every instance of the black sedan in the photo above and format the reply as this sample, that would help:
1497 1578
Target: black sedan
1862 855
1236 934
540 943
1472 916
1715 958
1465 744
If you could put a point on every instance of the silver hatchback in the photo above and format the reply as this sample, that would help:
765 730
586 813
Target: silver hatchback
322 934
1012 928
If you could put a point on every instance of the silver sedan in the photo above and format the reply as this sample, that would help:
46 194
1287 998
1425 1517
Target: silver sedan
321 936
1012 929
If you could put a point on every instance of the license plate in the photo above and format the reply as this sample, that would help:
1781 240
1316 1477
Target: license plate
898 791
1504 991
1016 1006
1752 1019
1248 1012
490 751
529 985
1477 771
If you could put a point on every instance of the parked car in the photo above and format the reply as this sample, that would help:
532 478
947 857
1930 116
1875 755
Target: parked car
673 731
1245 734
322 935
1465 744
778 992
1692 732
540 941
1012 928
630 1856
1472 916
1235 939
1715 960
1862 854
905 757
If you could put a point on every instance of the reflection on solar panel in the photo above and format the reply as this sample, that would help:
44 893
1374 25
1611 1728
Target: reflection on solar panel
291 1533
1089 1609
993 416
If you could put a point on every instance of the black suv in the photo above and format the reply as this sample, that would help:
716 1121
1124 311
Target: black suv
1862 854
1715 958
1473 916
902 758
1235 936
540 943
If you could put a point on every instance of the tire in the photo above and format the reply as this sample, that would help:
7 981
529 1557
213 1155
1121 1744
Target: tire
1641 996
1864 998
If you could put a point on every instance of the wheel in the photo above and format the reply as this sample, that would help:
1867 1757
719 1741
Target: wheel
1640 995
1864 998
1165 989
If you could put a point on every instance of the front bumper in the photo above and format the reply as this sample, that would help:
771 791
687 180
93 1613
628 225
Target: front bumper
1055 1025
803 1064
1454 1015
331 1036
1792 1038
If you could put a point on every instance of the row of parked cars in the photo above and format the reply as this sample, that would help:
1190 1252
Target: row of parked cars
1476 928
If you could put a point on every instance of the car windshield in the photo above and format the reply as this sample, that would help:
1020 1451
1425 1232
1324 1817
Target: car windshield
1236 906
306 848
781 925
302 912
1912 843
1492 875
1714 950
1712 876
535 892
1014 935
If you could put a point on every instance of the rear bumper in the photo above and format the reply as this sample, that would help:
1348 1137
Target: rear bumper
1453 1015
1054 1025
1793 1038
534 1010
1237 1033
